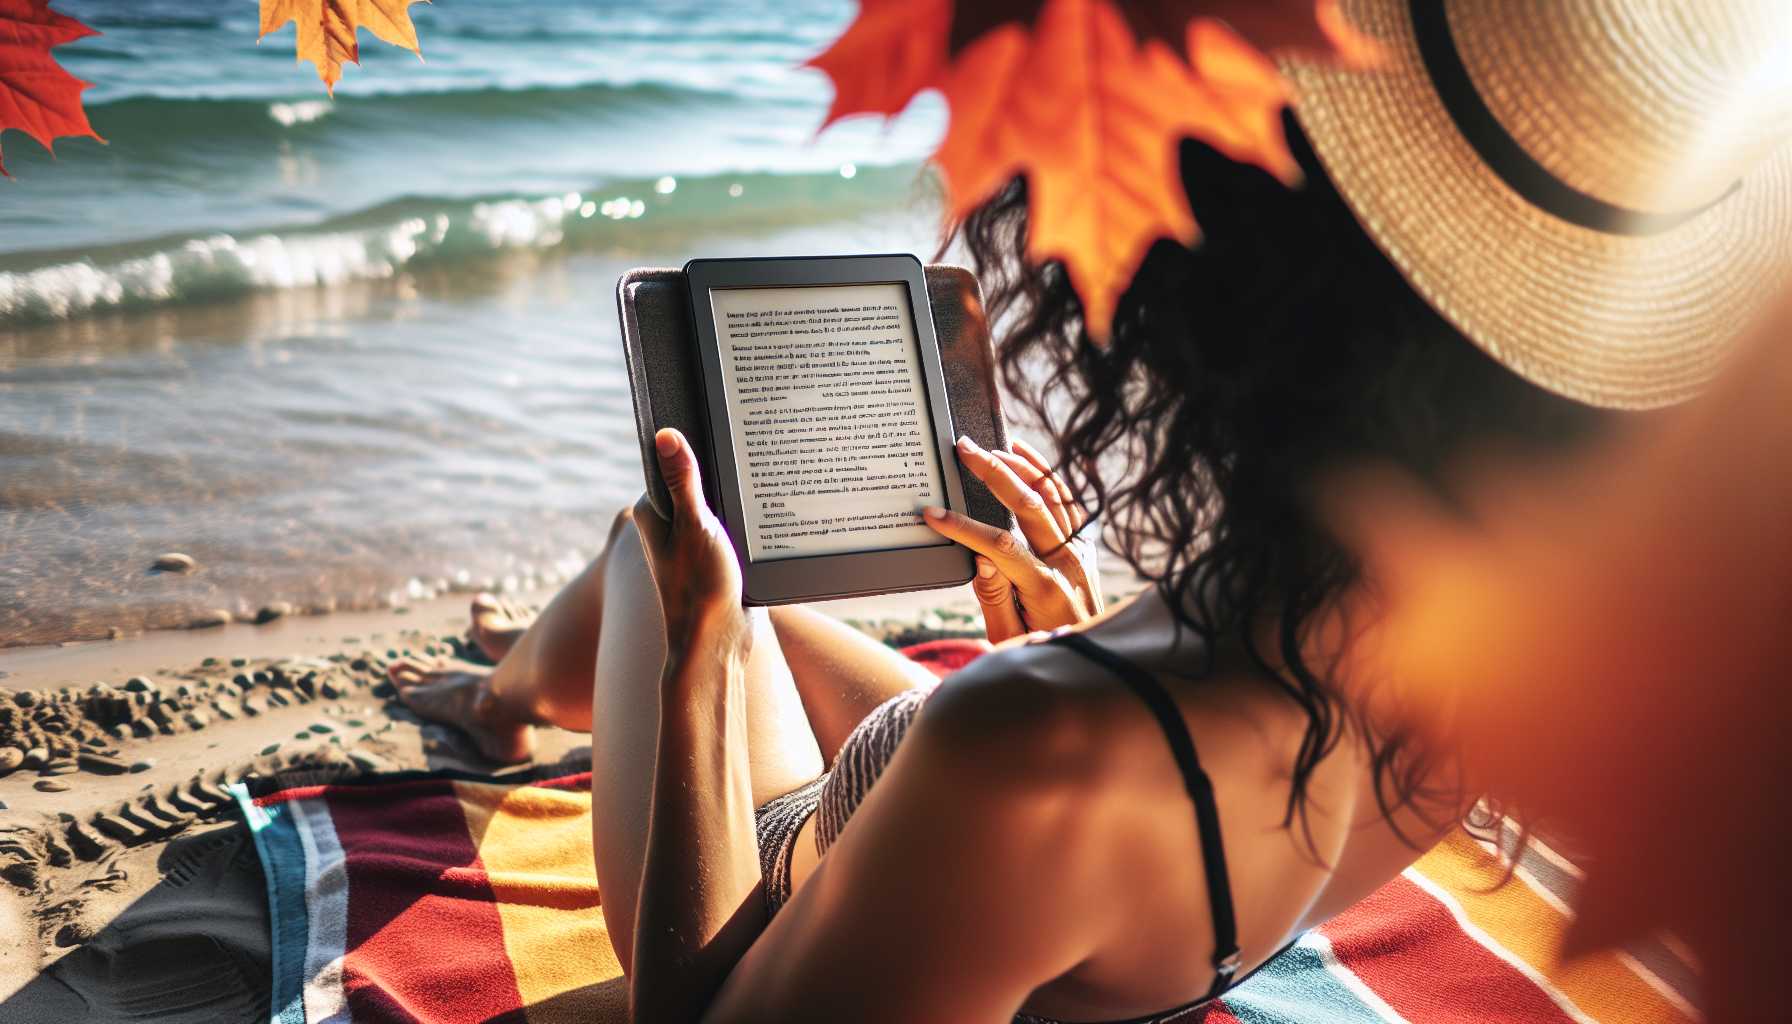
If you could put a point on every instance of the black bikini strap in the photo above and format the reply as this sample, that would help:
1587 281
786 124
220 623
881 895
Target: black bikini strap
1200 789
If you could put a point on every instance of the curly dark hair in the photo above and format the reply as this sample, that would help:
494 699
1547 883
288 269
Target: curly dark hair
1238 375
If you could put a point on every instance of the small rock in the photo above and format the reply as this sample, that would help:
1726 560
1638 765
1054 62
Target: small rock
321 727
74 933
198 719
210 619
10 759
270 748
253 707
36 757
270 612
25 698
138 684
60 768
144 765
174 561
51 786
99 764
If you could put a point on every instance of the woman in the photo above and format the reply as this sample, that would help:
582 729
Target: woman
1042 838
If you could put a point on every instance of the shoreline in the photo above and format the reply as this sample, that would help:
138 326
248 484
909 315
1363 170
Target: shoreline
84 662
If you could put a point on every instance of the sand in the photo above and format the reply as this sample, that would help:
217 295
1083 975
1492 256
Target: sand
116 829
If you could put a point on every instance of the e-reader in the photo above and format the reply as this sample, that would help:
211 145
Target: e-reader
823 396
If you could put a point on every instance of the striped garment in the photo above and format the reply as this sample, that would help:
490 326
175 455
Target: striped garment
449 899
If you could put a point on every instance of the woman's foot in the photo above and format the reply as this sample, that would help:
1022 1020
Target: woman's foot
462 698
497 625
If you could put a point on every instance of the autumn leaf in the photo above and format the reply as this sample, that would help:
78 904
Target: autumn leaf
1089 100
327 29
36 95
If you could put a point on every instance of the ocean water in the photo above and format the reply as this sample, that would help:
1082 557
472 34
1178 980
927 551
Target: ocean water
350 351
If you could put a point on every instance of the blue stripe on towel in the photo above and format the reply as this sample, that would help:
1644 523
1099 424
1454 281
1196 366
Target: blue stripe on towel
283 860
1297 987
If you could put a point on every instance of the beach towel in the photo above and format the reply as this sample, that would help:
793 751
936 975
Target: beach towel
448 898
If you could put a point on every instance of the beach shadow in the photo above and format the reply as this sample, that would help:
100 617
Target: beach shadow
603 1003
194 949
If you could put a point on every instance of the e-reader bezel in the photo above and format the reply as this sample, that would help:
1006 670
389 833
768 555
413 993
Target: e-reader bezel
816 577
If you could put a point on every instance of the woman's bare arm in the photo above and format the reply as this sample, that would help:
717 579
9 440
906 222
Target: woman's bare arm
699 905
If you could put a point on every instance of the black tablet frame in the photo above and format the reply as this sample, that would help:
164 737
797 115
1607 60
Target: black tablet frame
819 577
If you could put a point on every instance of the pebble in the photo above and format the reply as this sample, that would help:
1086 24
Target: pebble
238 662
25 698
51 786
270 748
270 612
321 727
138 684
144 765
60 768
36 757
99 764
210 619
174 561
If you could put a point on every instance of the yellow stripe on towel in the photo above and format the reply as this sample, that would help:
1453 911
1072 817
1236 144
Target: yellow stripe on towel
535 846
1526 924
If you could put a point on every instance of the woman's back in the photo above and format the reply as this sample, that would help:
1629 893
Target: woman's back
1093 751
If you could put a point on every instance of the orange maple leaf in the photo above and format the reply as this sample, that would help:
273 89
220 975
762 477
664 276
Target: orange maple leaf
326 29
1089 99
36 94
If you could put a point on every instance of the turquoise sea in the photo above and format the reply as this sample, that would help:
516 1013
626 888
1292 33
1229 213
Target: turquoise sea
350 351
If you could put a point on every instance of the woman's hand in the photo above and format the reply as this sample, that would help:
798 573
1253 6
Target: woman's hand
1043 583
693 563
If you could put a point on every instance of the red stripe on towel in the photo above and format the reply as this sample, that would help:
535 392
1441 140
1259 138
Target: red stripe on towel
425 941
944 657
1409 949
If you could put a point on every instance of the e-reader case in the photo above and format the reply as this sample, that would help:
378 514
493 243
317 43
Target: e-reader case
667 383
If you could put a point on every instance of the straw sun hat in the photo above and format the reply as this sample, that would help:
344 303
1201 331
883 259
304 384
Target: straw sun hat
1596 192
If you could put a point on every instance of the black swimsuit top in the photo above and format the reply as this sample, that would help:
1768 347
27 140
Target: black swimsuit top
1200 789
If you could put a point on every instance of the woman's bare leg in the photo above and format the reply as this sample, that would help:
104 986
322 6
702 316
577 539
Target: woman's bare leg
624 717
840 673
545 676
544 679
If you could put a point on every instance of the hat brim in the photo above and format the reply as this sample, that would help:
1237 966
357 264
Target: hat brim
1613 320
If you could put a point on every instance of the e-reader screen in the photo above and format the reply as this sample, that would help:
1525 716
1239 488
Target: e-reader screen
827 408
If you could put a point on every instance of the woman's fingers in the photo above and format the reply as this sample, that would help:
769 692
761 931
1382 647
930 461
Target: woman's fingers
1029 508
1001 619
1072 507
1011 557
1042 485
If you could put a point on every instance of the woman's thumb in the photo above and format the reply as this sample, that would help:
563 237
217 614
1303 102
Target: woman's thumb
678 466
1001 620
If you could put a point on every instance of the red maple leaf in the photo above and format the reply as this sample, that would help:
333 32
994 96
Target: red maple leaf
36 94
1089 99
